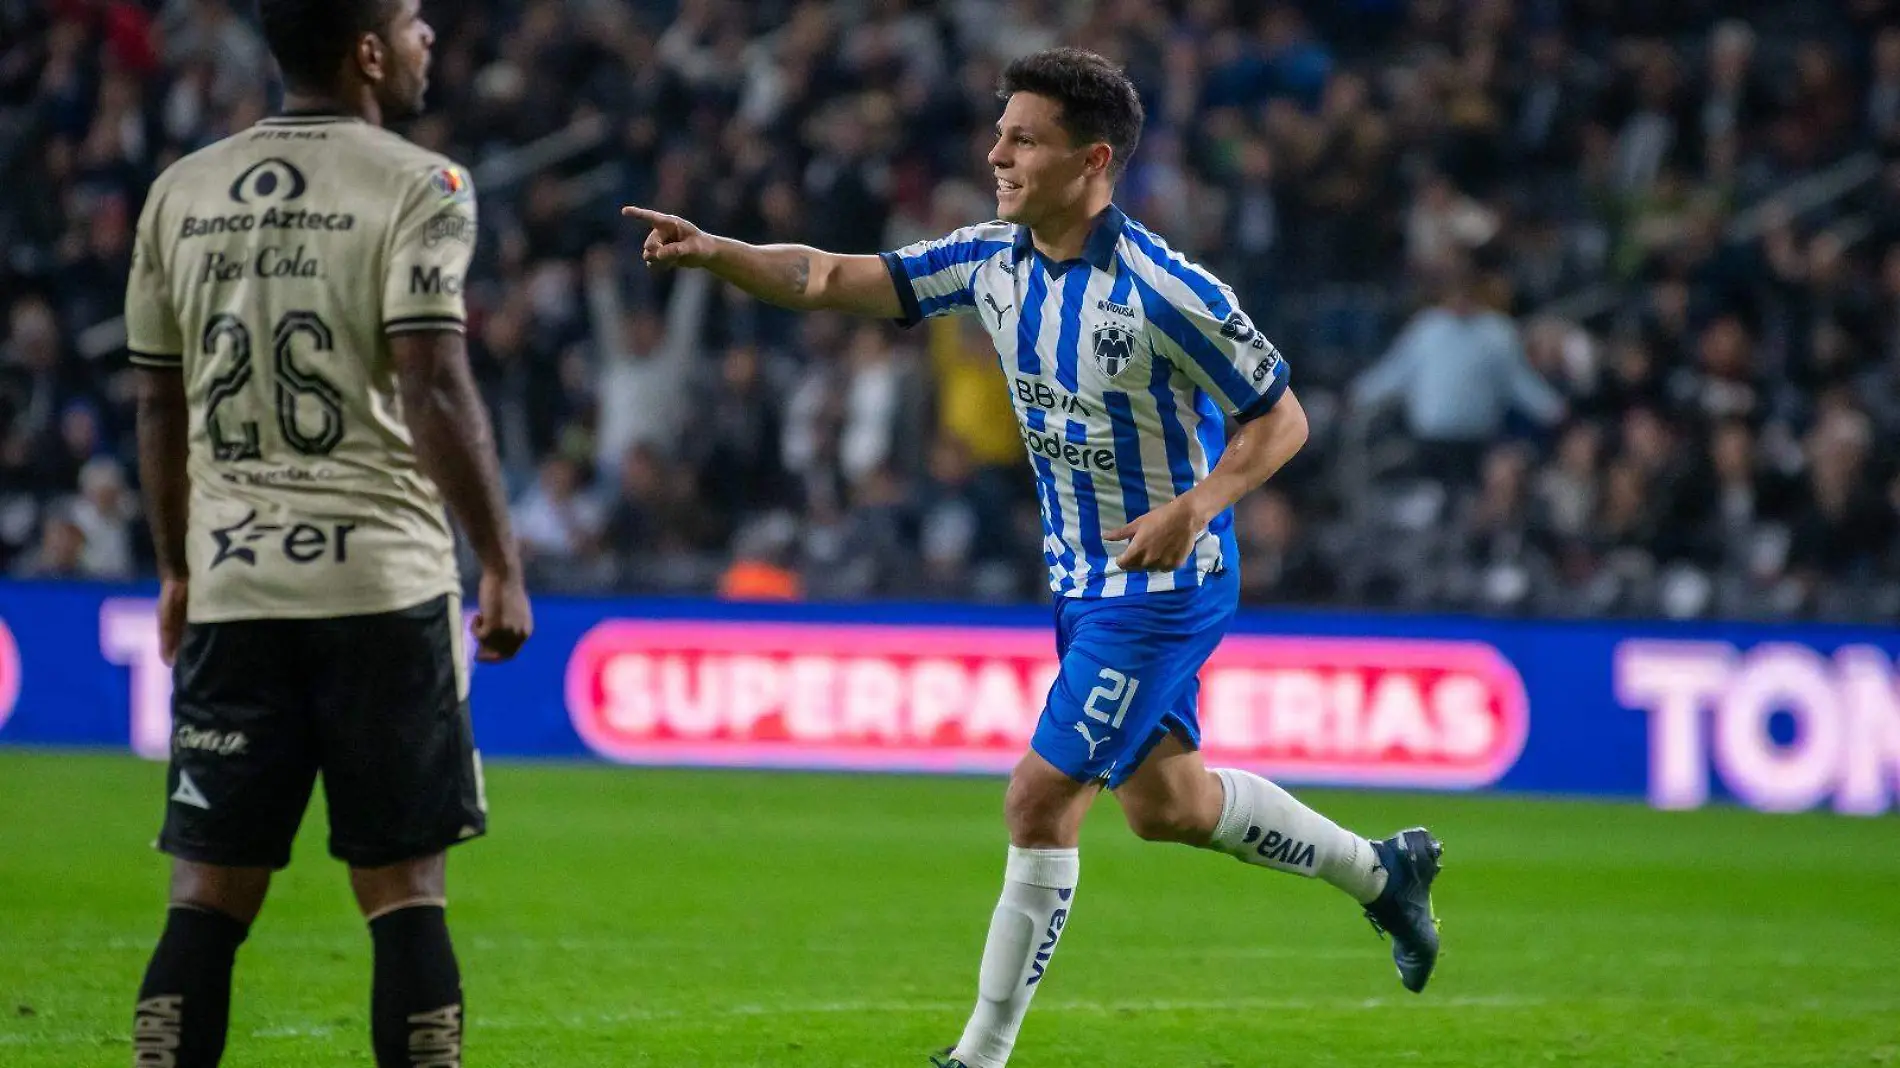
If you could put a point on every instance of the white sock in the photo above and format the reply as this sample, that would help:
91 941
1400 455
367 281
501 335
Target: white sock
1263 824
1038 888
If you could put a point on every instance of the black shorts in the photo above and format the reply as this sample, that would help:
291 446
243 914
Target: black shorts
377 704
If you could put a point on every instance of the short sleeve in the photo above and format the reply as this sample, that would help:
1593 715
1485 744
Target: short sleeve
429 254
152 333
1200 327
933 277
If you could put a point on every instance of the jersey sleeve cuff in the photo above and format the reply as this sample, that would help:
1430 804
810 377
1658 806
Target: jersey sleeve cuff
906 295
423 324
163 361
1267 400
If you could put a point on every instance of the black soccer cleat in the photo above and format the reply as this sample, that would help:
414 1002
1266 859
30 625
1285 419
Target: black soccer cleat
1404 909
945 1058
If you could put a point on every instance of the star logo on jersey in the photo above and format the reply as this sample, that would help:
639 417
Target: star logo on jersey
269 181
235 541
1114 349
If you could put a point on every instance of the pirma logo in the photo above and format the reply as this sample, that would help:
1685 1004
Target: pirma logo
269 181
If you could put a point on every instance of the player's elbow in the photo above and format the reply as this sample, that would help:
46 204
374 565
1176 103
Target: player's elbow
1299 430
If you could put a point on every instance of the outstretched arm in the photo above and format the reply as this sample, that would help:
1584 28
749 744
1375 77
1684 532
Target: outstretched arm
791 276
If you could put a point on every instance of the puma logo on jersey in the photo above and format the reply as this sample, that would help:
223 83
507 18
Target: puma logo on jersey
990 300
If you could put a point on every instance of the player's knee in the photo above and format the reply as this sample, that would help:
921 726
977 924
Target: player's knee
1044 813
1170 820
410 882
235 892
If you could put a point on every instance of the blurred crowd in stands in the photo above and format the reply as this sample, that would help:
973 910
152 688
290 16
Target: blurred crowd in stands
1595 303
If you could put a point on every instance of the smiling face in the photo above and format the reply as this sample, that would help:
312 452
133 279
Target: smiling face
1040 171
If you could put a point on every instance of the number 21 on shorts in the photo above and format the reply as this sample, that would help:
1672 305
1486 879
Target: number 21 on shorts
1117 691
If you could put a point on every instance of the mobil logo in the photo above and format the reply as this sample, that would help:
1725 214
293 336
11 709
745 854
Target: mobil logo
935 698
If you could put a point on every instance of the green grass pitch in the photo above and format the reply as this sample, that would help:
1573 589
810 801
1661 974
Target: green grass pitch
620 917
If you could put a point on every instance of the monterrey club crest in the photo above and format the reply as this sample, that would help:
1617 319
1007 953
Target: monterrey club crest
1114 349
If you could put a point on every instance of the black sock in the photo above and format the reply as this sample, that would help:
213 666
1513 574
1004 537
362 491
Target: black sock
185 1002
416 999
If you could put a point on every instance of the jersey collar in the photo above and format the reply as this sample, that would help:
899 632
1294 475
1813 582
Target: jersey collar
307 118
1098 251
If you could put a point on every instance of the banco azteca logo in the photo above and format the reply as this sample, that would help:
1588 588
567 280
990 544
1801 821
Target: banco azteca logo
269 181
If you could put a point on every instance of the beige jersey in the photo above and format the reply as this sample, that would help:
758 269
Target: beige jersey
271 268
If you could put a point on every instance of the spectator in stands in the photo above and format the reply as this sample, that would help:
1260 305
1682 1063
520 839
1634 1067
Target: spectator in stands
735 441
105 513
1459 372
1282 565
646 361
1842 528
60 554
558 525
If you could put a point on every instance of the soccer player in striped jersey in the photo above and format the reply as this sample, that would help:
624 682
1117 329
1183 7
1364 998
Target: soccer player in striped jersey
1125 363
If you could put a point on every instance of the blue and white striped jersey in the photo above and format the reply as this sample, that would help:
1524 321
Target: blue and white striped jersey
1122 366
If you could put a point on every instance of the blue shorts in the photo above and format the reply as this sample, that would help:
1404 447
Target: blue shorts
1131 676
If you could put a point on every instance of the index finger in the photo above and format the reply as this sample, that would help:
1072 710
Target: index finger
645 215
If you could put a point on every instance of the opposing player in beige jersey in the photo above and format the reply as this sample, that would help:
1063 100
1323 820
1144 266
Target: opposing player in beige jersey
306 410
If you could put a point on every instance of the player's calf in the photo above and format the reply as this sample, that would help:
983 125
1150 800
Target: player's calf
184 1005
416 993
1044 808
1264 825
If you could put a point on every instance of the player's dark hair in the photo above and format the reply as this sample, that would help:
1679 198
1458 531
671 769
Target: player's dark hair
311 38
1098 101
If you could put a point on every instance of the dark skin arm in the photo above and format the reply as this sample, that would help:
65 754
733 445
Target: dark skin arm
163 428
456 448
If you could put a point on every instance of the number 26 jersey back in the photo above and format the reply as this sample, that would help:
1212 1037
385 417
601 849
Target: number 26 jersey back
270 270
